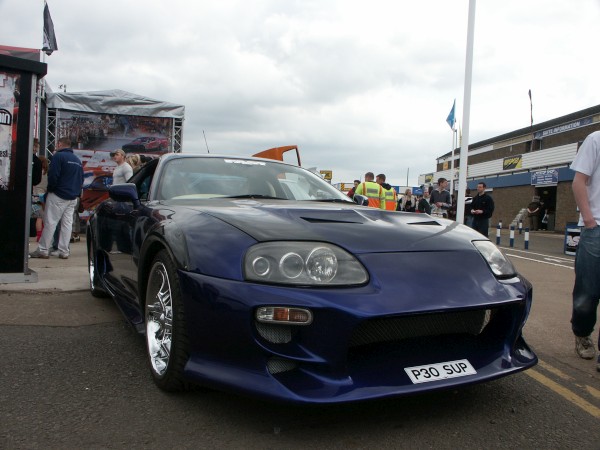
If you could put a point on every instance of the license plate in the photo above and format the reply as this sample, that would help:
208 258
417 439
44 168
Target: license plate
440 371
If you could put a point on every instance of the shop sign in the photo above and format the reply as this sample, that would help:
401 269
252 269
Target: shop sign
327 174
562 128
544 177
512 162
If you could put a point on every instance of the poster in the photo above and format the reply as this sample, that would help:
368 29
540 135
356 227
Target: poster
107 132
9 108
96 135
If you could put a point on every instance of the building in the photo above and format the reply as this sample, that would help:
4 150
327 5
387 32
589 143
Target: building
531 161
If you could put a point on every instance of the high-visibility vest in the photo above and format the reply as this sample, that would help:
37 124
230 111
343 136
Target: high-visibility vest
391 198
374 192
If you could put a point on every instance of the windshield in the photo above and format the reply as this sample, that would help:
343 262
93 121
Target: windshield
211 177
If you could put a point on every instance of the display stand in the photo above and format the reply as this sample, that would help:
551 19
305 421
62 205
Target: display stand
572 234
18 81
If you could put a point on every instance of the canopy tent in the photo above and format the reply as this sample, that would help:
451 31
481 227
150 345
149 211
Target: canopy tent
114 101
64 108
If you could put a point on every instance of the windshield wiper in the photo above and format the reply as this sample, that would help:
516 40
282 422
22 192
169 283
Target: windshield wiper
332 200
254 196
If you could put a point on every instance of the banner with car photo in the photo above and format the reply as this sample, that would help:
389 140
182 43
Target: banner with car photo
96 135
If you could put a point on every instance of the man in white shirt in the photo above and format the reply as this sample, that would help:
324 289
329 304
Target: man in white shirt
123 171
586 292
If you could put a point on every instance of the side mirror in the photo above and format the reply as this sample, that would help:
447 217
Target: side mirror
361 200
124 193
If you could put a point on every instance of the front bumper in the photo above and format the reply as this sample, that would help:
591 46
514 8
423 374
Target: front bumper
358 345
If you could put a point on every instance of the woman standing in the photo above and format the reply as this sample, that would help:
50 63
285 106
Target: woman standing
408 202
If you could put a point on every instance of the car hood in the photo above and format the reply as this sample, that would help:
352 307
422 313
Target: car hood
356 228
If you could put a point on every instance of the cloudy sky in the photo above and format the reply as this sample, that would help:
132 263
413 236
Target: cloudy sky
358 86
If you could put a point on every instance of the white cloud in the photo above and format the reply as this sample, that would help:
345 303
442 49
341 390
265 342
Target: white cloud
358 86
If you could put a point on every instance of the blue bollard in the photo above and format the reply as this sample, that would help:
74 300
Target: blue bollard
512 236
527 238
498 234
520 226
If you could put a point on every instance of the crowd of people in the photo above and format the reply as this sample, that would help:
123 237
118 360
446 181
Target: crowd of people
57 184
437 202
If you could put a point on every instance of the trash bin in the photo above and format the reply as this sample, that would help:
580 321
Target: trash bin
572 233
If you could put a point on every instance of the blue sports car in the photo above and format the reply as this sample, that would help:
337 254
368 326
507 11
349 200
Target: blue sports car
256 276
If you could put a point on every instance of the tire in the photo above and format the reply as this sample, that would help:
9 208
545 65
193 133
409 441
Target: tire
95 283
167 344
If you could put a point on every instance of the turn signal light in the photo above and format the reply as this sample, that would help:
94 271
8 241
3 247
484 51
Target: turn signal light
282 314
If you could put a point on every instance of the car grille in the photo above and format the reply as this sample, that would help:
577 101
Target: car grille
393 329
451 333
393 339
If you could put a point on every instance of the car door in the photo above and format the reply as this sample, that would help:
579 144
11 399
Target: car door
126 227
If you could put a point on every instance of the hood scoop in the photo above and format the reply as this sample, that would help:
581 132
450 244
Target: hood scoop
321 220
429 222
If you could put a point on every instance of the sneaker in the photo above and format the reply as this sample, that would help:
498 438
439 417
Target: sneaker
54 253
63 256
38 254
584 347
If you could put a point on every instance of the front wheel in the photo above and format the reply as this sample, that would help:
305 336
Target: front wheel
166 335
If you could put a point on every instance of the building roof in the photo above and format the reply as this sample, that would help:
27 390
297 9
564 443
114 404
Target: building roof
536 127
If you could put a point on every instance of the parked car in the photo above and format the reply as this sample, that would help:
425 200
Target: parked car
259 277
147 144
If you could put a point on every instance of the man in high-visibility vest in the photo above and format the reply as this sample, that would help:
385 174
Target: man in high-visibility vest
373 191
391 197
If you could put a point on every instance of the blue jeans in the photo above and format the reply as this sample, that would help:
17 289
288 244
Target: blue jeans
586 292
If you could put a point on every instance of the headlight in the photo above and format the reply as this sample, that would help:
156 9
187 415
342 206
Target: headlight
499 264
303 263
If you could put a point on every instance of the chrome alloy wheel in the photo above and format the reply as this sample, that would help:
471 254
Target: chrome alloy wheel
96 288
159 319
92 271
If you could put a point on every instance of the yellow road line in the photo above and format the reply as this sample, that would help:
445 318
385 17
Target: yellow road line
553 370
565 393
594 392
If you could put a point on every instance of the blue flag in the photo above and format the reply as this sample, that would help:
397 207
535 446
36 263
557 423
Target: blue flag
50 43
450 119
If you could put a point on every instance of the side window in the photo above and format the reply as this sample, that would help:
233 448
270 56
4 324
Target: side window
143 188
143 179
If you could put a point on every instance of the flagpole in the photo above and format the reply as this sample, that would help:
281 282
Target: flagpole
464 149
531 115
452 165
451 120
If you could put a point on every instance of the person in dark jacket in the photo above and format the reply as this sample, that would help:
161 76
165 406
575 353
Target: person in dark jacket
423 203
65 180
482 208
353 188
